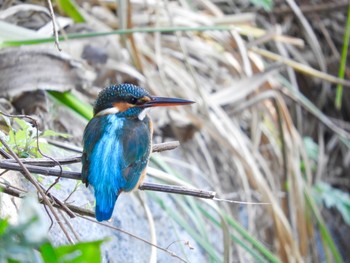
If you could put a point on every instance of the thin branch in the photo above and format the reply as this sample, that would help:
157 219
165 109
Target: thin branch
37 142
5 154
40 170
159 147
16 192
77 176
48 163
29 177
174 189
136 237
8 189
66 146
165 146
71 228
61 205
53 17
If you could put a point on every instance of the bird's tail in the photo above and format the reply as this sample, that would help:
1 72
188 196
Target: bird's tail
104 205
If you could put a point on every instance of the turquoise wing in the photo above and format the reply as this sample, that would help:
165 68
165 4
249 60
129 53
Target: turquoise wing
136 151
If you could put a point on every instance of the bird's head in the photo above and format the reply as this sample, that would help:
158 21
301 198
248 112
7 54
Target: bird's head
130 101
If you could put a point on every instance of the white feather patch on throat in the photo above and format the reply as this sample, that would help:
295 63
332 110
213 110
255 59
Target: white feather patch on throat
108 111
143 114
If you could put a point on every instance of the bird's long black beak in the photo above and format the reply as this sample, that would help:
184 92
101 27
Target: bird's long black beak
162 101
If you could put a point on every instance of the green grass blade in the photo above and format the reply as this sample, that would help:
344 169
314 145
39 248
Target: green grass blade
257 244
344 54
72 102
71 9
188 228
235 238
231 222
12 43
190 207
247 31
326 236
266 4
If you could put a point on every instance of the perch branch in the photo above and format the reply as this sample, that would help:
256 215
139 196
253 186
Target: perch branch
47 171
175 189
44 162
160 147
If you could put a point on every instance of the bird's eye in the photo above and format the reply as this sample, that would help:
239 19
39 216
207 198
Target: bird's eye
133 100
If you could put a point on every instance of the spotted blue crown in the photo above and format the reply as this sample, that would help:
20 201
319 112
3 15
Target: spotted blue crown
115 93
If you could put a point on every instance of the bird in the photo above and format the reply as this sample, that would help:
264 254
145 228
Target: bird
117 143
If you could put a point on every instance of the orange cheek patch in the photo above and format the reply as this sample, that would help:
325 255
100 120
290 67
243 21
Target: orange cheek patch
122 106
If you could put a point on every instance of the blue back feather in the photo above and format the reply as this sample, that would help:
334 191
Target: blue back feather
116 151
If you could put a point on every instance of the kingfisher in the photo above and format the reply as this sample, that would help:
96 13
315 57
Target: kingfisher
117 143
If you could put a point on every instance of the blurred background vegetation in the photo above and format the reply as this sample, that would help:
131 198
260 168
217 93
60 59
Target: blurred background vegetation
270 124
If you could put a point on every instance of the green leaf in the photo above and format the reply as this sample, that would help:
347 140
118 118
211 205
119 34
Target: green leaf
50 133
80 253
11 138
22 124
48 253
70 8
334 198
266 4
13 261
21 138
72 102
311 148
3 226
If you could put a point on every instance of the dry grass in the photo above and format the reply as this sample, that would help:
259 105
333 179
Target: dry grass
246 144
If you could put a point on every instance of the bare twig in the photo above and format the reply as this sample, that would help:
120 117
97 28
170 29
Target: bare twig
48 162
37 142
136 237
165 146
160 147
14 191
11 191
174 189
73 191
53 17
62 205
185 242
40 170
5 154
71 228
29 177
66 146
80 212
